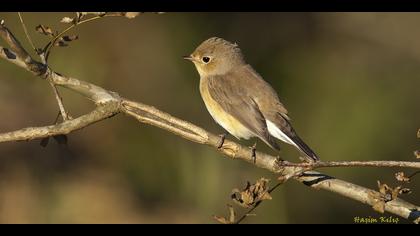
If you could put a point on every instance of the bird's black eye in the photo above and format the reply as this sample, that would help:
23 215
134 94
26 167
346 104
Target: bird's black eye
206 59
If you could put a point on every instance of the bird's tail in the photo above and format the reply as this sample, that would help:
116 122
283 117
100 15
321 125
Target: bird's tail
289 136
304 148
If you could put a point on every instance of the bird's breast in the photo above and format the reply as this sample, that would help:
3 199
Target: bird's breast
222 117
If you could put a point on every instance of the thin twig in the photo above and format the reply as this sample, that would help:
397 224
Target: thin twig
322 164
26 33
48 48
63 112
413 174
256 205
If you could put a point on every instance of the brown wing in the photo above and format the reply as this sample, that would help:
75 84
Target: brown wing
262 92
236 101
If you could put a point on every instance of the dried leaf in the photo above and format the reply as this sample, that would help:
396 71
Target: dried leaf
282 179
45 30
61 139
418 133
379 206
417 154
221 219
383 188
252 194
131 15
247 198
388 196
60 43
69 38
400 176
242 198
394 193
266 196
378 203
44 142
67 20
405 191
80 15
387 193
374 195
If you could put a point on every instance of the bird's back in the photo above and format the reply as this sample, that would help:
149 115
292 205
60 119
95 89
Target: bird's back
256 87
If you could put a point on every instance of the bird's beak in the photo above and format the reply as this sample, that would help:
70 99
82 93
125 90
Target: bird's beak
189 57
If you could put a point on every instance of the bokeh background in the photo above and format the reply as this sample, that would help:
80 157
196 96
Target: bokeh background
349 80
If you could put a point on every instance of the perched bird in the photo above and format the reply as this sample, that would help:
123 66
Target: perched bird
239 99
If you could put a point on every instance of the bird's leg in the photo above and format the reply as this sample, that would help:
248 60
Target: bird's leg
221 141
305 159
253 152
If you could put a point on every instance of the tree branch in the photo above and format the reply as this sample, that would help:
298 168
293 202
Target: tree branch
20 53
99 113
150 115
321 164
110 103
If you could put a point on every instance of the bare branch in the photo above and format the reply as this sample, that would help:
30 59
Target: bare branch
31 65
99 113
321 164
63 112
20 57
152 116
11 56
23 59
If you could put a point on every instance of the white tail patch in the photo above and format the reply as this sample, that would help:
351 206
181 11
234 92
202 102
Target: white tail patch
276 132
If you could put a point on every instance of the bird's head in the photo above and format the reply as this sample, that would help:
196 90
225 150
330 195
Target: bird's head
216 56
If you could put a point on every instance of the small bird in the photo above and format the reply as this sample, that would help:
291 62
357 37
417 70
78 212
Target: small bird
239 99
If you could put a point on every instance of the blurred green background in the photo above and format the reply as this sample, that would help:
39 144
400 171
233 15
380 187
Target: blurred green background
349 80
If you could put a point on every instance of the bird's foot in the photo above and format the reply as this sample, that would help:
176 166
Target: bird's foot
254 152
306 159
221 141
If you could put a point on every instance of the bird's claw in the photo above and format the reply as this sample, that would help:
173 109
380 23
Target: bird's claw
221 141
254 152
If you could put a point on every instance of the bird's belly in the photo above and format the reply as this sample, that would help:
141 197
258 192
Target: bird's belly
224 119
